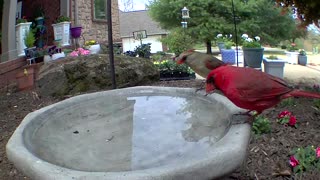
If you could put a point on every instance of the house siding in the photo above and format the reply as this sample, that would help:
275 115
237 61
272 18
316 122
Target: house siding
96 30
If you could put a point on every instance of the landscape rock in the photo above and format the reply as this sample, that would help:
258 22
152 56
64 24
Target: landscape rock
73 75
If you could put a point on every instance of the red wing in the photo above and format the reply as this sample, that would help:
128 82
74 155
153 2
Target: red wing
253 85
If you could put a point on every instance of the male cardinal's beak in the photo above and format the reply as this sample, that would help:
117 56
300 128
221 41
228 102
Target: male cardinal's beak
210 85
209 88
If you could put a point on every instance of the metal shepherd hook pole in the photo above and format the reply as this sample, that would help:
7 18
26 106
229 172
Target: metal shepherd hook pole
110 44
236 34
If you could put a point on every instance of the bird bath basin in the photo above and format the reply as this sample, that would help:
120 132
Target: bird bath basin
132 133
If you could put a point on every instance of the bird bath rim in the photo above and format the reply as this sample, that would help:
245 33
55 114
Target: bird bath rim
231 142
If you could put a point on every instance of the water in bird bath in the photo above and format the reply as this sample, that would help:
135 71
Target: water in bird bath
124 133
132 133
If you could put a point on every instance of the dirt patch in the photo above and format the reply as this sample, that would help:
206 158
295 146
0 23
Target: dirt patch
267 154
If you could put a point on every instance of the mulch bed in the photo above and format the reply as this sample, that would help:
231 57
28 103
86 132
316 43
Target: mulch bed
268 154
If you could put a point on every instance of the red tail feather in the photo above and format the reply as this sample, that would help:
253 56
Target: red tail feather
299 93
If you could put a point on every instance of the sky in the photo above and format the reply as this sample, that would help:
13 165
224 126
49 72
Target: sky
135 6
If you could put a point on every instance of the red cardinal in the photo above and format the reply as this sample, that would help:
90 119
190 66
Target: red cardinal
200 63
251 89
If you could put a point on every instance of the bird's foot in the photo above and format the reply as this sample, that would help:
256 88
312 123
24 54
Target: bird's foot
202 86
245 117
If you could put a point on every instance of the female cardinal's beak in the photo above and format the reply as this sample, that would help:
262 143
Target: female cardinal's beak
180 61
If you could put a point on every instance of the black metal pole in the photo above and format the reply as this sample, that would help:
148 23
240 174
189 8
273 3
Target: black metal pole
110 44
236 34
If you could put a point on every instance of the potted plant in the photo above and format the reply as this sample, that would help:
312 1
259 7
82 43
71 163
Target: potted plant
61 30
170 70
22 26
144 50
220 41
93 46
53 52
252 51
302 57
228 54
29 40
39 15
292 54
274 66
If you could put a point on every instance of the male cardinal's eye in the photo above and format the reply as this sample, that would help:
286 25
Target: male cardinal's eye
210 80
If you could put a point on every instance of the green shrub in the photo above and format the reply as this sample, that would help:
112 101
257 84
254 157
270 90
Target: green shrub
261 125
29 38
143 50
178 41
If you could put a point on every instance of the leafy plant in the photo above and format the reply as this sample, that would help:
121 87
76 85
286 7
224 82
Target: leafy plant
130 53
21 20
29 38
143 50
304 159
228 44
250 42
292 47
273 57
316 103
172 66
178 41
261 125
287 102
62 19
302 52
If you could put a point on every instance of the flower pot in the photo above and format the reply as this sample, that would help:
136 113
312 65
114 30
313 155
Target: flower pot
62 33
75 32
55 56
221 45
39 21
21 30
25 78
95 49
253 57
292 57
274 66
30 52
228 56
302 60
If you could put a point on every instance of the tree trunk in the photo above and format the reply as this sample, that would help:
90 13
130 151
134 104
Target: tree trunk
209 51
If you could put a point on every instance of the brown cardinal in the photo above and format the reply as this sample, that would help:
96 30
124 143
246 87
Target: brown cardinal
200 63
251 89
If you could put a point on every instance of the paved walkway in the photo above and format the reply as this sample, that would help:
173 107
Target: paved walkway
298 74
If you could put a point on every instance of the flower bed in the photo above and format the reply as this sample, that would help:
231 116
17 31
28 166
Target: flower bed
169 70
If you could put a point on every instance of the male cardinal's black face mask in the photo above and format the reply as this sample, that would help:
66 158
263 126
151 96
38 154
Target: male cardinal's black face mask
210 84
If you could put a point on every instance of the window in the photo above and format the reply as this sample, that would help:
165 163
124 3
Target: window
99 10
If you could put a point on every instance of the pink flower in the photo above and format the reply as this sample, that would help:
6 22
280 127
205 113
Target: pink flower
293 161
284 114
318 152
74 53
292 121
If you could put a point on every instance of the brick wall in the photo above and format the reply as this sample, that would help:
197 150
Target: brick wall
8 71
96 30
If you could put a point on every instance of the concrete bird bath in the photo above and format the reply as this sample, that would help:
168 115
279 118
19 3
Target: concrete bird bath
132 133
